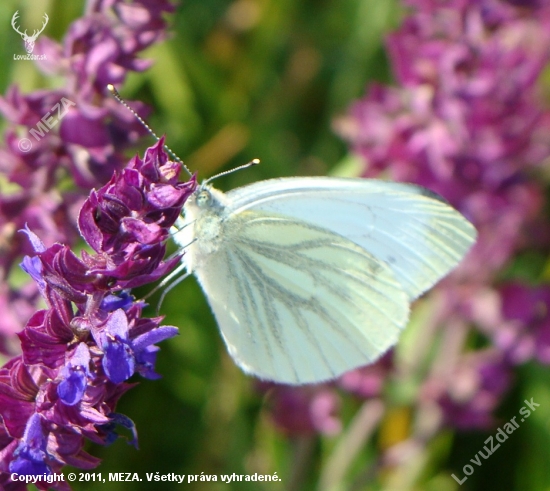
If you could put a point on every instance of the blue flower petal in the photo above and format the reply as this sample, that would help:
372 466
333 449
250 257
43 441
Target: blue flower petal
30 455
146 363
154 336
72 388
118 357
36 243
75 376
33 267
118 360
117 325
126 422
124 300
29 462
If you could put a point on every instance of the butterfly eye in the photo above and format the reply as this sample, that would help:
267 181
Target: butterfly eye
204 199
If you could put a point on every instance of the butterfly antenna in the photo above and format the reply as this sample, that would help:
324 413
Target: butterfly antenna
116 95
245 166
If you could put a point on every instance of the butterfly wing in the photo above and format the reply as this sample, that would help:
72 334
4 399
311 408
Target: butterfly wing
414 231
297 303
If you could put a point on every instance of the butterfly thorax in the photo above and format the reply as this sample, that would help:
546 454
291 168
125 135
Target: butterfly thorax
205 212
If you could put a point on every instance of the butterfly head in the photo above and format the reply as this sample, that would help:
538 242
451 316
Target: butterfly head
206 200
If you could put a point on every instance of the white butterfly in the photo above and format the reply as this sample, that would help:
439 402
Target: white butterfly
311 277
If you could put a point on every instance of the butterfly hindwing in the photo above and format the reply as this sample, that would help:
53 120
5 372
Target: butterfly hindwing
296 303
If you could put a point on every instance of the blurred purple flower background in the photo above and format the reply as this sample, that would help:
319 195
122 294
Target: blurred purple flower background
467 119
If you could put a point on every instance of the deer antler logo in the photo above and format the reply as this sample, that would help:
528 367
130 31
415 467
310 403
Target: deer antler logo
29 40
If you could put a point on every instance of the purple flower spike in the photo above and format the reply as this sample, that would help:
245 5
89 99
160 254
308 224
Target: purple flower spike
30 455
75 374
86 143
79 352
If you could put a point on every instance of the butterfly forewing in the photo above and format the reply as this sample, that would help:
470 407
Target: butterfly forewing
414 231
